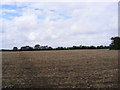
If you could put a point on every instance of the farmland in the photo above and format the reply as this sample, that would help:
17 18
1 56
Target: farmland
60 69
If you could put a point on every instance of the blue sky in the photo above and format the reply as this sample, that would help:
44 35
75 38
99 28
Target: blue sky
58 24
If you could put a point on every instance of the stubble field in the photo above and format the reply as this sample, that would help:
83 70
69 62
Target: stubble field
60 69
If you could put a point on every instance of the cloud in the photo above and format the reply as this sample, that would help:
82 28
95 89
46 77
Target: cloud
58 24
60 1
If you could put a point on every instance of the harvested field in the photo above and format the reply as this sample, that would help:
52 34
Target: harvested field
60 69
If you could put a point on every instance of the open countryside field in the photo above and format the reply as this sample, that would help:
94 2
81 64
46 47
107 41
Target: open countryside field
60 69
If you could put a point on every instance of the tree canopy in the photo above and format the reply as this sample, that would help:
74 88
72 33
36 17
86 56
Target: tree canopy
115 43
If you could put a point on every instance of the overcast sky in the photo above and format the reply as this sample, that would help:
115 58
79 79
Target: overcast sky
58 24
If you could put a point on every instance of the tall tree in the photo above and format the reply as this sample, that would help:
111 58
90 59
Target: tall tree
115 43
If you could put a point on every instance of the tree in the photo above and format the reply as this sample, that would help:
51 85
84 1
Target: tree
37 47
101 46
115 43
50 48
26 48
59 48
15 48
92 47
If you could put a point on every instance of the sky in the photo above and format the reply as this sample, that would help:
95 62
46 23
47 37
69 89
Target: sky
58 23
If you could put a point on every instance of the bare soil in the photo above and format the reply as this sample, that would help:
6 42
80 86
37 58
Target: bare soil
60 69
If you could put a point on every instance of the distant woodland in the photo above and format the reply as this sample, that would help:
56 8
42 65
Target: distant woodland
115 45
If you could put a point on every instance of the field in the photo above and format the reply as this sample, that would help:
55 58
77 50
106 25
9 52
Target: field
60 69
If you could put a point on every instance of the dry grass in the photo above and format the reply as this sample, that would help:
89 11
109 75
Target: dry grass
60 69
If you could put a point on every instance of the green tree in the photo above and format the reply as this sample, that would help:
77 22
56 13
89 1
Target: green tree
26 48
115 43
15 48
37 47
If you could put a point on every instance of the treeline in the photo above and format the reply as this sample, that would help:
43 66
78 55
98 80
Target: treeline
115 45
38 47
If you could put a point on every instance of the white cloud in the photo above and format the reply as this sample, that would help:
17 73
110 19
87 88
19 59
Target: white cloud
60 1
8 11
68 24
